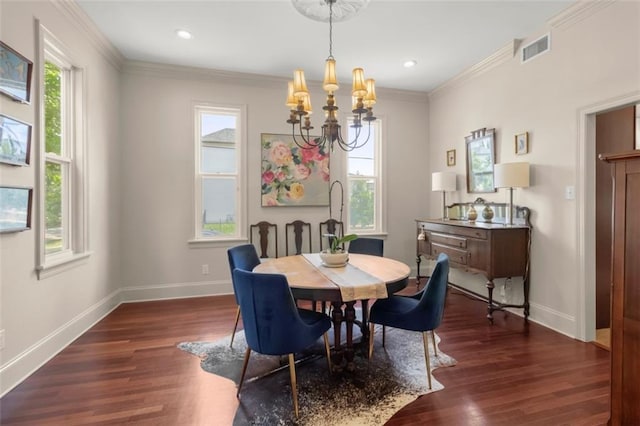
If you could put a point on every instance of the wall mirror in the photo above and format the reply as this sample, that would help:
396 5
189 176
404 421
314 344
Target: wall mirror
480 160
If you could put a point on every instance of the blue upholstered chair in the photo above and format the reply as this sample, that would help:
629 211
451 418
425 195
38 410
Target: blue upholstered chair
243 257
372 246
421 312
273 325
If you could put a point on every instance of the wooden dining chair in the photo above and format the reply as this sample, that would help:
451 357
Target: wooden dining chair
267 235
295 235
330 226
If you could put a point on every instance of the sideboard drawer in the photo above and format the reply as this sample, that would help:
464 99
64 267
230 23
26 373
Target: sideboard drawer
463 231
455 255
449 240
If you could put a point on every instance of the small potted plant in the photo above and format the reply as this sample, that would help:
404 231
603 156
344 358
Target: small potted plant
335 255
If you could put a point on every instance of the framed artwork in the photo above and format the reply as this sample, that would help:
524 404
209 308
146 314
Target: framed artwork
15 208
15 141
522 143
451 157
293 176
480 160
15 74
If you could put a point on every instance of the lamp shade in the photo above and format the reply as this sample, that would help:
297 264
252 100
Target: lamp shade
443 181
511 175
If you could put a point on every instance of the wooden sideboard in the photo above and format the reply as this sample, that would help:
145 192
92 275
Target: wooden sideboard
625 289
494 250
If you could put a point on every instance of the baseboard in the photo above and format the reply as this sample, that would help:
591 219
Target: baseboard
175 291
555 320
26 363
22 366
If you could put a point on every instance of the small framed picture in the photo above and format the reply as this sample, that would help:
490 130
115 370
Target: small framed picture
451 157
15 74
522 143
15 141
15 208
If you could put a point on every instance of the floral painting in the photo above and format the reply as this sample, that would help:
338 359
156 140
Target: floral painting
293 176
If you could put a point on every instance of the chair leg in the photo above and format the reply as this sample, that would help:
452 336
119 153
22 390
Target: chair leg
384 335
371 328
247 354
233 334
326 348
425 342
294 385
433 339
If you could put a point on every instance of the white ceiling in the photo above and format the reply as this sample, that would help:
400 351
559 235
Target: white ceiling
270 37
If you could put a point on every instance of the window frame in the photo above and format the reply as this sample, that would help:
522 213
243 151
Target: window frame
379 214
240 175
72 159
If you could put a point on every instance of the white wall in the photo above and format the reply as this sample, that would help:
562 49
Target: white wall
158 168
40 317
594 57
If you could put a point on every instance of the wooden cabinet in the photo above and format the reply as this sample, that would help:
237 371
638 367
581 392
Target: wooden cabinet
625 289
492 249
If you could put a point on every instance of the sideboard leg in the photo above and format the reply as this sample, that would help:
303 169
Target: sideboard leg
490 287
418 261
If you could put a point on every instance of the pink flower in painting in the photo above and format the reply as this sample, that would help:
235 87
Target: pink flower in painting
301 172
267 177
270 199
280 154
324 168
280 175
309 154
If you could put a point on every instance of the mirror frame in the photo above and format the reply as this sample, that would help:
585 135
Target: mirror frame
478 143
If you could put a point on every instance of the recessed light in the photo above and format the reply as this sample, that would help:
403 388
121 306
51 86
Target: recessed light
410 63
184 34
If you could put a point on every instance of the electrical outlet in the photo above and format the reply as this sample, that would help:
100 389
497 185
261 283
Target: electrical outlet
1 339
205 269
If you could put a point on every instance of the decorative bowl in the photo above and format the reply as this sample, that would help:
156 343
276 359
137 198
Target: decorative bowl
334 259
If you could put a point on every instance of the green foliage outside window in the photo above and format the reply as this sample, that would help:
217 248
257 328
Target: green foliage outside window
361 205
53 172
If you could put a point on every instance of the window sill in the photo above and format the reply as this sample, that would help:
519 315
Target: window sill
51 268
204 243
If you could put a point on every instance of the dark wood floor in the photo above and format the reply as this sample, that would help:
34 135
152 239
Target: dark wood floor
127 369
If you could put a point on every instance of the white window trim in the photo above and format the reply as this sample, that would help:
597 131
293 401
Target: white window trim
241 158
78 200
380 212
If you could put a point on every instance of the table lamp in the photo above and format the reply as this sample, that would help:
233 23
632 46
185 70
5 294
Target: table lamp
443 181
511 175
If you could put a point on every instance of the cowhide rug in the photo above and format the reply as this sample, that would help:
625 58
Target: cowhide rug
370 395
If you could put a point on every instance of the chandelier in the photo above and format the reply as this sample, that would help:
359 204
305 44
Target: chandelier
299 102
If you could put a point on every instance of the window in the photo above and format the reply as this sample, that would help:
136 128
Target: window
63 221
364 185
219 196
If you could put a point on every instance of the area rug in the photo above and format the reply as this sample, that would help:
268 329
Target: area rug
370 395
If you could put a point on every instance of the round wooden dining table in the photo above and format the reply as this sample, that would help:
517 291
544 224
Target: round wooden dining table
310 279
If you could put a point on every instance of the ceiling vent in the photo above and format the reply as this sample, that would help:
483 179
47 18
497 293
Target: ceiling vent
536 48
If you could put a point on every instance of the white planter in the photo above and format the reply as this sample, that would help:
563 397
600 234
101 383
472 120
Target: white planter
334 259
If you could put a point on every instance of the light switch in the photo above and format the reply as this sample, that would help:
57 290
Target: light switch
570 193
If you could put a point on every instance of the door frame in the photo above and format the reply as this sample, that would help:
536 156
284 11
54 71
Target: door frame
585 232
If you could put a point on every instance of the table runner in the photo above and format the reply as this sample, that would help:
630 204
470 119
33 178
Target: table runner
354 283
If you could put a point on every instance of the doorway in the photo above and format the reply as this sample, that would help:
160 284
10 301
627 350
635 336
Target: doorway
615 132
586 221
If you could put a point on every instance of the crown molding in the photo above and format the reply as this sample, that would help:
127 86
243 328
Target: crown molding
80 19
577 12
504 54
180 72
